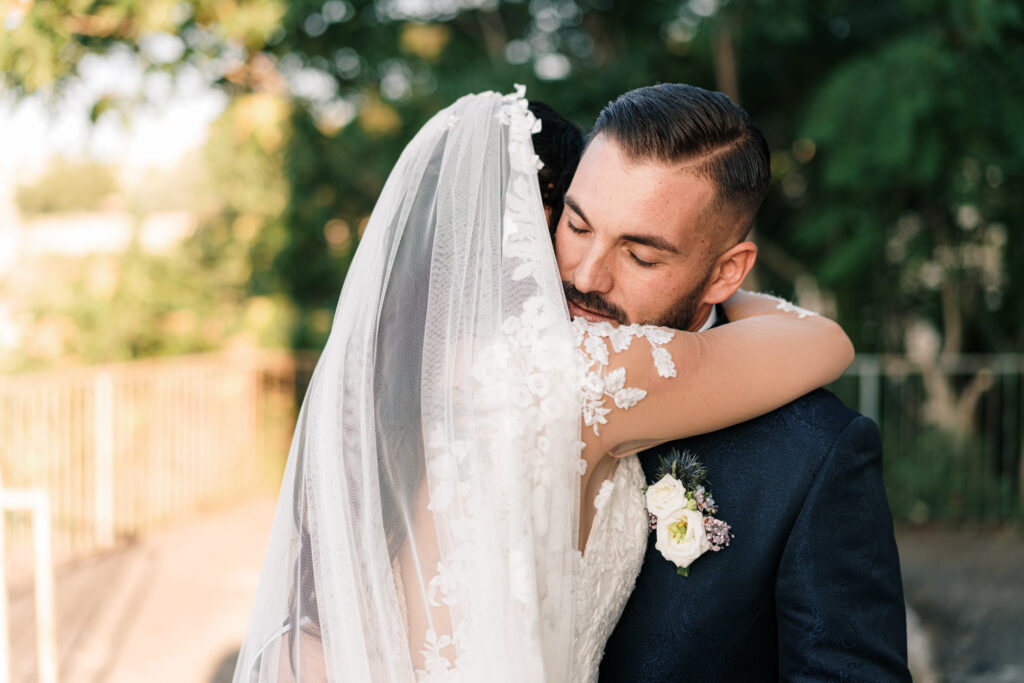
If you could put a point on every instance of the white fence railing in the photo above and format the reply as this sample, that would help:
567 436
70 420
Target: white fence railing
37 505
120 449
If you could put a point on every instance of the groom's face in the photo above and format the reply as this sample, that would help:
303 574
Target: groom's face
633 244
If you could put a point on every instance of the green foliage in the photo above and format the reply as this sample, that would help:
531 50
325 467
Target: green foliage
45 45
141 305
938 479
897 150
67 186
916 176
934 474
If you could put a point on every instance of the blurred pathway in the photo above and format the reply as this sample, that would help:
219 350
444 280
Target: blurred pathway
171 608
967 587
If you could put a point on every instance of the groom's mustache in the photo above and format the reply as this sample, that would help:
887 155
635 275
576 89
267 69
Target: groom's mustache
595 303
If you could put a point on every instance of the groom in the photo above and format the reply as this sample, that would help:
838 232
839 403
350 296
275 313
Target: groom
654 230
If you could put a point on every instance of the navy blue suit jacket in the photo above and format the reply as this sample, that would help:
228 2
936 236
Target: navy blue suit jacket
810 587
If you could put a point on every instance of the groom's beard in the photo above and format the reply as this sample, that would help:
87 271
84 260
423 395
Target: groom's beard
680 317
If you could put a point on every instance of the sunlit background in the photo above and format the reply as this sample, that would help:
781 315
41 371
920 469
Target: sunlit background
183 185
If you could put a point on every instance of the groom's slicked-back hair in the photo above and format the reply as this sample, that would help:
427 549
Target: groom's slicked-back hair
702 130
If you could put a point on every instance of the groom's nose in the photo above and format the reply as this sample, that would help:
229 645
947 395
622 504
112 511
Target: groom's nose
593 273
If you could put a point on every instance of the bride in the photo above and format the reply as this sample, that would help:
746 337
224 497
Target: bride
429 523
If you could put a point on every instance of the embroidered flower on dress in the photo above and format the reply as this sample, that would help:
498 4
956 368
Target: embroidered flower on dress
437 665
789 307
441 589
597 383
604 494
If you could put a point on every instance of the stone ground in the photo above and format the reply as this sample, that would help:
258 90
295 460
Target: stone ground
173 607
967 587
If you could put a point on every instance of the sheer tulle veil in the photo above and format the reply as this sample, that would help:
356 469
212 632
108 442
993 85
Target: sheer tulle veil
427 522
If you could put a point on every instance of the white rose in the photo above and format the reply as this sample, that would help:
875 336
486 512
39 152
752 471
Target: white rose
666 497
681 538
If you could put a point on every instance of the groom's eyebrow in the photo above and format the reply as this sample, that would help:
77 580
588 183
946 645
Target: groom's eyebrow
574 205
652 241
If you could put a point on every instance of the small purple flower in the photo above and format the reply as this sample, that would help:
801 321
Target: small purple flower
653 521
705 502
718 533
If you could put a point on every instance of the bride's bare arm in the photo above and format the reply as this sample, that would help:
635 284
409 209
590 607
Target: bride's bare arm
765 357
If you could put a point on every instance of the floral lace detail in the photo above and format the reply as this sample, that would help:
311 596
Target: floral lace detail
521 363
789 307
441 589
618 537
608 569
596 383
438 667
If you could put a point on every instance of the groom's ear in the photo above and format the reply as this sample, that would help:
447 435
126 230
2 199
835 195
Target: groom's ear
729 272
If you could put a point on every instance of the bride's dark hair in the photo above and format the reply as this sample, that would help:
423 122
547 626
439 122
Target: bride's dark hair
559 144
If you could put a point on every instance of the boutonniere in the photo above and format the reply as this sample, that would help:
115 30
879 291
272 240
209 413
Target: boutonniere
681 509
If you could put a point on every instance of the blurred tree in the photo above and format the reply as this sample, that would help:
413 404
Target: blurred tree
896 153
911 171
67 186
135 304
907 176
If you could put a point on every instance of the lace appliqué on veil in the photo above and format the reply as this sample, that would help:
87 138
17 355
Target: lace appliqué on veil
599 384
438 667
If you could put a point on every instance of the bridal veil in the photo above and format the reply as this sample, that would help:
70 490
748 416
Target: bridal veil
426 526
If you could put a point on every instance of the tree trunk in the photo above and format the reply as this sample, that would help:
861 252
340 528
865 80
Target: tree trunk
726 62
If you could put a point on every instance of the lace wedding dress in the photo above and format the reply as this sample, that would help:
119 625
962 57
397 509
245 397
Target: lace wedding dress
610 564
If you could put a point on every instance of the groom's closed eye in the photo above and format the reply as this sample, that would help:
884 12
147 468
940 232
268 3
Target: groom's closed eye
642 263
636 259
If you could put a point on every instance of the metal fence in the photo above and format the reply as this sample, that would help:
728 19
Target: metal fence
120 449
952 433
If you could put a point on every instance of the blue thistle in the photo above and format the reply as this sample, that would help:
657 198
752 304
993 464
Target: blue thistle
683 466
